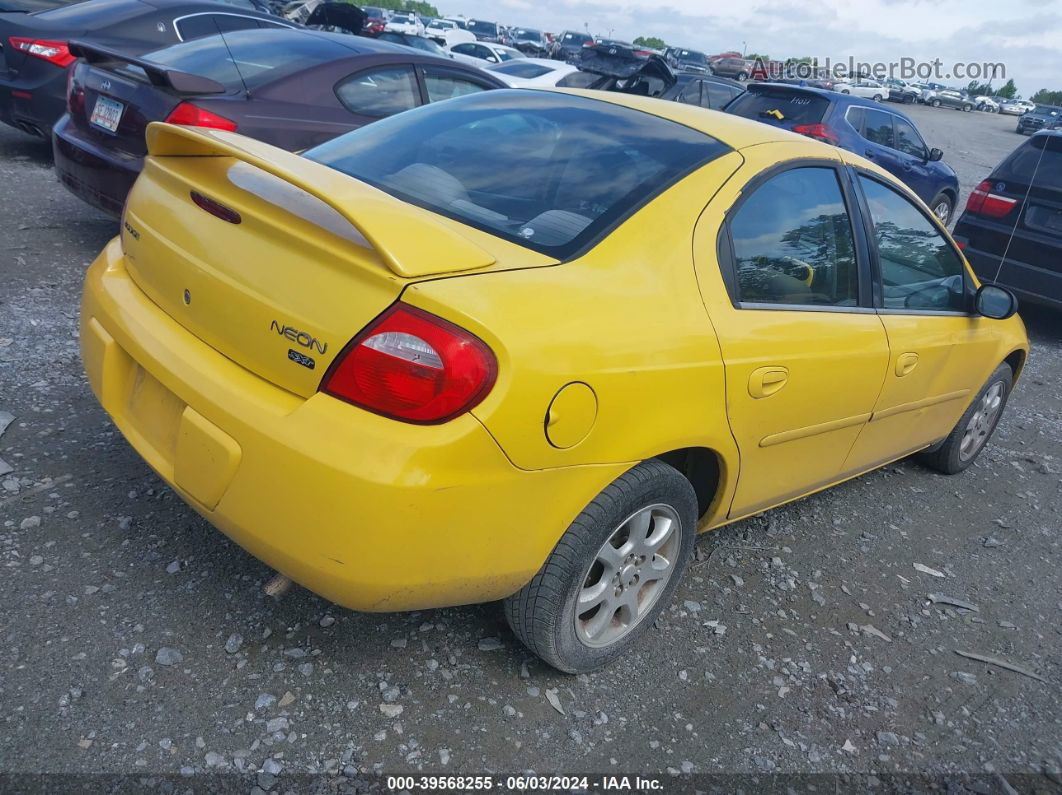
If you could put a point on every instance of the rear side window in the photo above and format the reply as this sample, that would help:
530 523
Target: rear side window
715 96
380 92
781 106
445 85
1041 155
793 242
549 171
262 55
877 127
919 269
201 25
691 94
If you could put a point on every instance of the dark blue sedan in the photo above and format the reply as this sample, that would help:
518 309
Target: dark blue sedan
882 135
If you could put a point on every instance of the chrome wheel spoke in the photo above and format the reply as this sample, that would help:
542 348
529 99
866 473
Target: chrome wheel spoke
628 574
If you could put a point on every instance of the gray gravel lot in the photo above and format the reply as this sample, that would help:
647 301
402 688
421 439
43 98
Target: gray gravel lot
135 638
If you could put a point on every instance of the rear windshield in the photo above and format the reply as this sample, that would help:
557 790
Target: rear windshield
1042 155
521 69
551 172
689 56
261 55
780 106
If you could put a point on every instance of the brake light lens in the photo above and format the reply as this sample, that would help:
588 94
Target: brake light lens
411 365
188 115
983 201
75 95
54 52
820 132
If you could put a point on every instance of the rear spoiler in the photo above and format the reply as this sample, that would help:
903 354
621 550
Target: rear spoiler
411 241
160 76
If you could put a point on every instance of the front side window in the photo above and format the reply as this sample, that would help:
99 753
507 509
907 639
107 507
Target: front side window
793 242
908 140
877 127
919 268
380 92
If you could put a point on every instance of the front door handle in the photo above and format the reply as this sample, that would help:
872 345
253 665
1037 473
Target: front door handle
905 363
766 381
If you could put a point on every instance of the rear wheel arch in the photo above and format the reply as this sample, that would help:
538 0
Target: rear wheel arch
704 468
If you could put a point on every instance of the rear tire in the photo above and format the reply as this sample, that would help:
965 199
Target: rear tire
742 76
935 103
877 97
942 206
622 557
973 430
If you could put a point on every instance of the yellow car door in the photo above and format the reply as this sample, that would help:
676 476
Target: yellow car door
785 282
941 353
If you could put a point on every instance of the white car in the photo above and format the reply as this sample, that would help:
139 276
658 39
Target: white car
870 89
541 73
480 53
1027 105
986 104
409 24
438 28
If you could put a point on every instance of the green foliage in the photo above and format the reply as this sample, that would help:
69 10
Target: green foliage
1009 90
754 56
652 42
417 6
1046 97
976 89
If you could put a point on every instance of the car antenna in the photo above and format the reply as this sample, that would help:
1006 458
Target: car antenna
246 90
1024 206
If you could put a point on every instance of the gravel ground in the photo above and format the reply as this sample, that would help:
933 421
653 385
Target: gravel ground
138 639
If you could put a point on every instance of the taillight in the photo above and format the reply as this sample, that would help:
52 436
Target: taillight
54 52
188 115
820 132
75 95
983 202
411 365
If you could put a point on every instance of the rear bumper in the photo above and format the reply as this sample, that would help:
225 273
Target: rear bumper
368 512
95 175
1030 282
33 106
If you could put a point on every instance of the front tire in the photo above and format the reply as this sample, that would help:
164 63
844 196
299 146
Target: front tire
877 97
614 569
935 103
967 108
742 76
973 430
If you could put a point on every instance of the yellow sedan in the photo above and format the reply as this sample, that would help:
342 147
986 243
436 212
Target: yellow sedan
524 345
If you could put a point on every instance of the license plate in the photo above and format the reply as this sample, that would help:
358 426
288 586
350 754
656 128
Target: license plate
106 113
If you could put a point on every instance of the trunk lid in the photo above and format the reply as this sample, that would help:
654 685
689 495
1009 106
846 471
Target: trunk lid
141 91
275 261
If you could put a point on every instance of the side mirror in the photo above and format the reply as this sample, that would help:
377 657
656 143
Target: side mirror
935 154
995 302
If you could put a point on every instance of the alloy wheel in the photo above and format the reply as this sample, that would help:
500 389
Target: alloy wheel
628 575
943 212
983 421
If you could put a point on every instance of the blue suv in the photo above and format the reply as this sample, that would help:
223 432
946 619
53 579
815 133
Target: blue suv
882 135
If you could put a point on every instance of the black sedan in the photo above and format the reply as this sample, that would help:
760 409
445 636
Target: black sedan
289 88
1011 230
36 55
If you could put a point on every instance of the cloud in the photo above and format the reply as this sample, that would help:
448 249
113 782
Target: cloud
1024 35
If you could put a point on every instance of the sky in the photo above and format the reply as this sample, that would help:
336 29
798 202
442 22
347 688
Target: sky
1025 35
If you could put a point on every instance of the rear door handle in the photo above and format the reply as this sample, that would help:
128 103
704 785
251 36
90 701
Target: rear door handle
766 381
905 363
